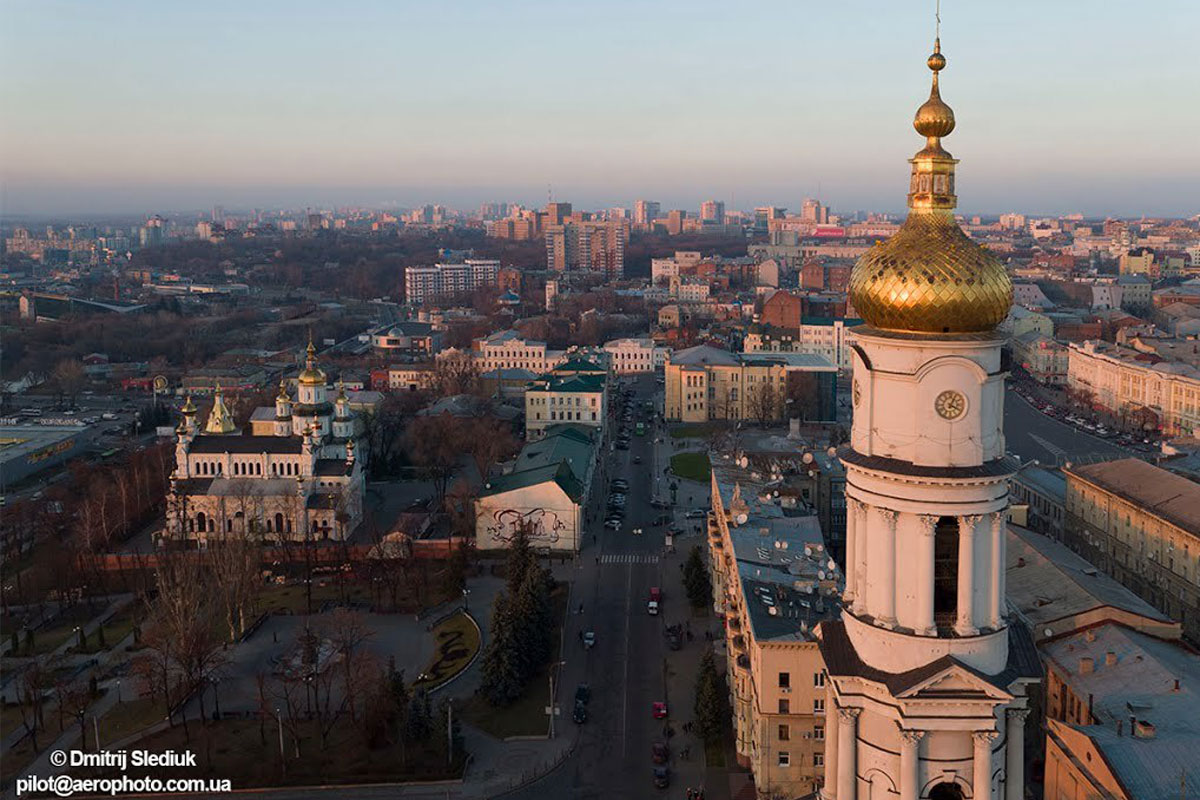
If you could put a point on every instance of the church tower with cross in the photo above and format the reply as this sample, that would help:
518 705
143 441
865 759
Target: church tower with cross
928 684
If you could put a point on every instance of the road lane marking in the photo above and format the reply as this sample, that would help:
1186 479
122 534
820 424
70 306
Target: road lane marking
625 678
628 558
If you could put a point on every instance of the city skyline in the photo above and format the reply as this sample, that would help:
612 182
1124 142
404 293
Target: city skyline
680 103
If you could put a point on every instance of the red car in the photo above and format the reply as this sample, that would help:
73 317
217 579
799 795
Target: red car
659 710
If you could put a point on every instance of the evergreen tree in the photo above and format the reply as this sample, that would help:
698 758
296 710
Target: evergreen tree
696 581
502 673
103 645
532 622
521 559
420 722
712 700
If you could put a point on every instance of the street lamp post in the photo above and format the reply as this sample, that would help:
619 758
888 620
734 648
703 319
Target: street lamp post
217 695
465 593
282 758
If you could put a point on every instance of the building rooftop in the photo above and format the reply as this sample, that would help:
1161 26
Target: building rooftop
1048 582
1150 680
561 445
1047 482
1158 491
557 473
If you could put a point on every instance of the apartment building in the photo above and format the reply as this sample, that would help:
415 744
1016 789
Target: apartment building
631 356
1140 524
555 399
509 350
773 586
422 284
1140 389
826 337
588 246
1043 358
705 383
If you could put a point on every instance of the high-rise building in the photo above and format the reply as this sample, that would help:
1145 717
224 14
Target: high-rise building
588 246
812 211
557 213
645 212
712 211
441 280
929 685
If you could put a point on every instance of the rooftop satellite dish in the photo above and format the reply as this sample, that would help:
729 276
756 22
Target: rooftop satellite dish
1047 632
743 462
741 519
807 550
832 451
820 574
807 458
832 565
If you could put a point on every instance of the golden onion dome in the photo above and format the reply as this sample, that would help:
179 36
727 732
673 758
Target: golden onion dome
929 277
311 375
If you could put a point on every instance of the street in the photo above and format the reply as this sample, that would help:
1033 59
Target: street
626 667
1031 435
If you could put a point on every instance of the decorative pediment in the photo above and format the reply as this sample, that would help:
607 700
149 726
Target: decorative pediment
953 680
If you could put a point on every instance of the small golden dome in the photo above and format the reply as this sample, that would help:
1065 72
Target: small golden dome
189 407
934 118
311 375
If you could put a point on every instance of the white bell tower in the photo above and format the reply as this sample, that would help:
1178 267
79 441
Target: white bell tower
927 689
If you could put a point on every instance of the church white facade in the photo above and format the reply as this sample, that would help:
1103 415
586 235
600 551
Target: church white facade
928 683
303 483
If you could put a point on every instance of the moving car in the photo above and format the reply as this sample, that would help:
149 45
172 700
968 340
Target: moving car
583 693
660 752
579 715
612 524
652 603
589 640
659 709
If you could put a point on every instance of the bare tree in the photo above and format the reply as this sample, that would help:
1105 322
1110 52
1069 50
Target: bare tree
348 631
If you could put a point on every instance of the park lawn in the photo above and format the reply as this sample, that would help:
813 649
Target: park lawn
693 466
235 749
457 645
47 640
292 599
130 716
116 629
526 716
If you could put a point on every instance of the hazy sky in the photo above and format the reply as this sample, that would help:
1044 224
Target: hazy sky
141 106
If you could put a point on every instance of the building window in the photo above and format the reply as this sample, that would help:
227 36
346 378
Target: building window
818 679
819 732
785 759
818 759
784 707
785 733
818 705
785 680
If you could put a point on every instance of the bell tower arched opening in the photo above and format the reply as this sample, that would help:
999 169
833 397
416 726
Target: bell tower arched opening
945 572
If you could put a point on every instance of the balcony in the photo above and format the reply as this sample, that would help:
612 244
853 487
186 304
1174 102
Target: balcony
739 643
734 622
743 661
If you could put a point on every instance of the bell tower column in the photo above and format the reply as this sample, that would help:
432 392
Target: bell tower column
1014 754
981 784
965 623
997 572
910 752
927 526
847 747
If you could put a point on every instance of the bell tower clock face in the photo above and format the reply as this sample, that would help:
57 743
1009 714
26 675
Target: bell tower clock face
950 405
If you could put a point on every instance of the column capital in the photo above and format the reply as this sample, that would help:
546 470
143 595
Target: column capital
887 515
999 519
855 504
1018 714
984 738
849 714
928 523
967 524
911 737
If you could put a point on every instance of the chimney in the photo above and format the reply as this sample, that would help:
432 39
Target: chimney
1120 727
1086 665
1091 719
1110 659
1176 689
1144 729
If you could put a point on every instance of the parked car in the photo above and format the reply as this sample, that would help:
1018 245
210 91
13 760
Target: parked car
659 710
612 524
583 693
660 752
580 714
696 513
589 639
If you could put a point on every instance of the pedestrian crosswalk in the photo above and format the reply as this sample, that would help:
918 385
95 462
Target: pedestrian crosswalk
628 558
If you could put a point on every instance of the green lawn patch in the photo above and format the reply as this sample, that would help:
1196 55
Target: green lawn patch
693 466
527 716
457 641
